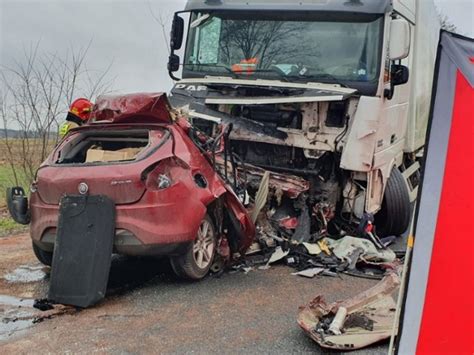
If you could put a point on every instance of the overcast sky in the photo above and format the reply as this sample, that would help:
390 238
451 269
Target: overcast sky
123 32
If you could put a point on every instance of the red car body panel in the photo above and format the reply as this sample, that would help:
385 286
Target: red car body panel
132 108
57 180
154 216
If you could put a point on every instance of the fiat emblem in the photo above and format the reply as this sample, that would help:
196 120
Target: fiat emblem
83 188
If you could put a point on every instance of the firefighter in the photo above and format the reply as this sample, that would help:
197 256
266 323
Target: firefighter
78 114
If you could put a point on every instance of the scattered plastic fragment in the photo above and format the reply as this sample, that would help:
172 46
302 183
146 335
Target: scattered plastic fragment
369 318
310 273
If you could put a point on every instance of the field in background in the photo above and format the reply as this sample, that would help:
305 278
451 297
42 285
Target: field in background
7 177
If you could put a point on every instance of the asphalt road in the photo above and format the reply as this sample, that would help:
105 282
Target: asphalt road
147 310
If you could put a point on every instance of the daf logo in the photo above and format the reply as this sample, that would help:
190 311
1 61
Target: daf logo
191 87
83 188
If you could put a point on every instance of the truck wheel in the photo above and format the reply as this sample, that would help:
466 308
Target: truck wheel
198 259
45 257
394 216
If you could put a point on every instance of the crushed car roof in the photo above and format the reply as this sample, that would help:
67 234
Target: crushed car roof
132 108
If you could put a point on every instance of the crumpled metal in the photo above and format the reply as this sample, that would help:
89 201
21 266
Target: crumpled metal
346 246
132 108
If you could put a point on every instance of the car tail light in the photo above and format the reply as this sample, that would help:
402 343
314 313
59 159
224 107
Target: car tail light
163 181
163 175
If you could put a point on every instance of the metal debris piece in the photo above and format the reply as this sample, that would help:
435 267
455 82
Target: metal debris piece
277 255
309 273
303 230
313 249
338 321
291 185
324 246
246 270
376 307
354 258
344 247
261 196
43 304
359 320
253 249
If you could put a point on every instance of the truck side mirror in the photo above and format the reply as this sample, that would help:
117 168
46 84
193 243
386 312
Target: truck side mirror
177 33
400 74
399 46
173 63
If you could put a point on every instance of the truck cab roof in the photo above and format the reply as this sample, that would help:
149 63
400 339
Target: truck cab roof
357 6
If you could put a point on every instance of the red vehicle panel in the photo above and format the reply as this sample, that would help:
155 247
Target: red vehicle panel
162 195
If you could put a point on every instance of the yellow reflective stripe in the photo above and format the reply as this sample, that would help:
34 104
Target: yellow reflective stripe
64 129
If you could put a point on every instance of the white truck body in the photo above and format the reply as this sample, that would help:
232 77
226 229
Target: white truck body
422 61
386 125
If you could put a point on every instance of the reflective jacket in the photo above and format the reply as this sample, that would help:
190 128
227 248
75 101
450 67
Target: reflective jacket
72 121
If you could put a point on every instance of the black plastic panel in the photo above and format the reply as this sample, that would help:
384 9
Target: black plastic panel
83 250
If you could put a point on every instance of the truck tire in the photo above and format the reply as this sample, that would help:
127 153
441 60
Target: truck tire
44 257
394 216
199 257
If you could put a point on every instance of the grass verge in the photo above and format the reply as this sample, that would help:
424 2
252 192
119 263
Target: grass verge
9 227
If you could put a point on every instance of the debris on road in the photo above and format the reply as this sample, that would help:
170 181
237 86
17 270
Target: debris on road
355 323
310 273
338 321
277 255
237 212
18 313
293 227
345 248
43 304
325 256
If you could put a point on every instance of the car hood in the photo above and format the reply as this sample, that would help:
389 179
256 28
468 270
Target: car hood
132 108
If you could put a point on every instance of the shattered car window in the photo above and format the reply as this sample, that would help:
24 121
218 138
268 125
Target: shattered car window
283 47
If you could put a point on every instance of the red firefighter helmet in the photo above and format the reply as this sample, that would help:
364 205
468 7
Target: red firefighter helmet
81 108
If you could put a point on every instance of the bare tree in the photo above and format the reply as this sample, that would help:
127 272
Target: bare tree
268 40
163 20
446 23
35 94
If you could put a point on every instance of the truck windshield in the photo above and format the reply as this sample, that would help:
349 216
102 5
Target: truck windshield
284 47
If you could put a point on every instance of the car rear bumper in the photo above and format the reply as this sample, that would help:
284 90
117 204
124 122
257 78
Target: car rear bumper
149 227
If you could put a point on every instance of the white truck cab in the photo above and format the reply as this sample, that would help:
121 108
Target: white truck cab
335 91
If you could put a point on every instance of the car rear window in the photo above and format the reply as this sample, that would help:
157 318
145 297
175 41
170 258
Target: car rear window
94 147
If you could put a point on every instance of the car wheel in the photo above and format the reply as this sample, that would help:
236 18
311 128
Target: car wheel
198 259
394 216
45 257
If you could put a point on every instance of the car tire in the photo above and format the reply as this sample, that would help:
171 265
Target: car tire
198 259
44 257
394 216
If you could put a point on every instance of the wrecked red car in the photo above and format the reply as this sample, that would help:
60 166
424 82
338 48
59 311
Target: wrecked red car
170 200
